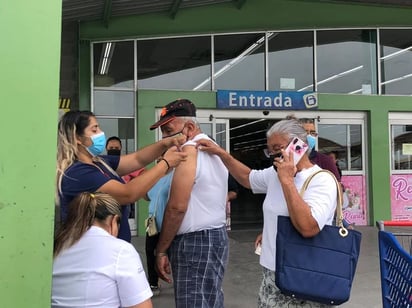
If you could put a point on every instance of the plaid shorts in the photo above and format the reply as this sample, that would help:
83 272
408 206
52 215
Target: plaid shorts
270 296
198 262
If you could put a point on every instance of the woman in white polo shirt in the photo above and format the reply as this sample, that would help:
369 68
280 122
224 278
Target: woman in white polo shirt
93 268
282 183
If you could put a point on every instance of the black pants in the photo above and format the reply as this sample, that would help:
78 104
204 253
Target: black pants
151 243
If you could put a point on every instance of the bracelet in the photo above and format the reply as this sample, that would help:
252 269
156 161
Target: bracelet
161 254
167 163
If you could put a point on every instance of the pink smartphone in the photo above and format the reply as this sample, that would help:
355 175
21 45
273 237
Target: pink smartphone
298 147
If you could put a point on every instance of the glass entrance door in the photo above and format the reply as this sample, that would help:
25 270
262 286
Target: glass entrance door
341 132
401 165
217 129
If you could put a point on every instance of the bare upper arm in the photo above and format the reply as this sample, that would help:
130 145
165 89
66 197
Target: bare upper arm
183 180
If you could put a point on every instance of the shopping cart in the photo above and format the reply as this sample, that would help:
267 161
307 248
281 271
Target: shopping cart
395 249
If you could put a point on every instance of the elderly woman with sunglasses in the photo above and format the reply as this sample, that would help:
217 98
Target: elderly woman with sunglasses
281 183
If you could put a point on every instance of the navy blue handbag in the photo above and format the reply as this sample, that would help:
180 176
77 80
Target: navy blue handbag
321 268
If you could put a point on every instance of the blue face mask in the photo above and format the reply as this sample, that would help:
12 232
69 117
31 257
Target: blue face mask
98 144
311 141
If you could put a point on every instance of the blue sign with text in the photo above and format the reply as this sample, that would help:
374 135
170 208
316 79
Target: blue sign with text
271 100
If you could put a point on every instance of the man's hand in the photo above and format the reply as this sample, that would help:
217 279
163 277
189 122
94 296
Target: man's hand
163 267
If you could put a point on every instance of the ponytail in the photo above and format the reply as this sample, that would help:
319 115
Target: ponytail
83 211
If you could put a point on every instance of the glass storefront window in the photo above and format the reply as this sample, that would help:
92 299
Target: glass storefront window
290 61
175 63
396 61
240 62
401 144
345 140
346 61
113 103
113 64
122 128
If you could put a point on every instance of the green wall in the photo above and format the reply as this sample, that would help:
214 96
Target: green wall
30 60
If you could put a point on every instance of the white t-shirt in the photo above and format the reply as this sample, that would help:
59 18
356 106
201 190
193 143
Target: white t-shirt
207 203
99 271
321 196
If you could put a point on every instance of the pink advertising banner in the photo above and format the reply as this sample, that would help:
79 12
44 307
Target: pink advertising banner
354 199
401 196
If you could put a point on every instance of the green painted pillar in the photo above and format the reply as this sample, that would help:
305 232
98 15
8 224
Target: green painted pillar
379 172
30 34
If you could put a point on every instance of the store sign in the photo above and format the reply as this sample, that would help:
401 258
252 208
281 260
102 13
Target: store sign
401 196
354 199
270 100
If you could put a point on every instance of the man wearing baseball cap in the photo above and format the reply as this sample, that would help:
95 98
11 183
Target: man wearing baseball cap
177 108
193 233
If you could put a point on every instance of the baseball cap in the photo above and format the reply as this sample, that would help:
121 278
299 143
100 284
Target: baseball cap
177 108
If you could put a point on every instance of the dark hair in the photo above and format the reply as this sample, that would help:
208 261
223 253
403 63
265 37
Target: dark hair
84 210
307 121
113 138
76 121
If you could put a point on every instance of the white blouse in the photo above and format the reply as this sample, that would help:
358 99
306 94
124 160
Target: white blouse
321 196
99 271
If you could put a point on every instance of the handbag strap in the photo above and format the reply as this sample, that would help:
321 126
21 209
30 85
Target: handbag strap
339 212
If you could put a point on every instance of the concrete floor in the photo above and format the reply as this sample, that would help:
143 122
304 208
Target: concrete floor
243 275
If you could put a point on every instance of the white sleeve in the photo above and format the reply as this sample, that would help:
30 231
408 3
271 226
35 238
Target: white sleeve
131 280
258 180
321 196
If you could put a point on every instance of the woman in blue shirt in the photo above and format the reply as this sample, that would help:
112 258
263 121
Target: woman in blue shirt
81 168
